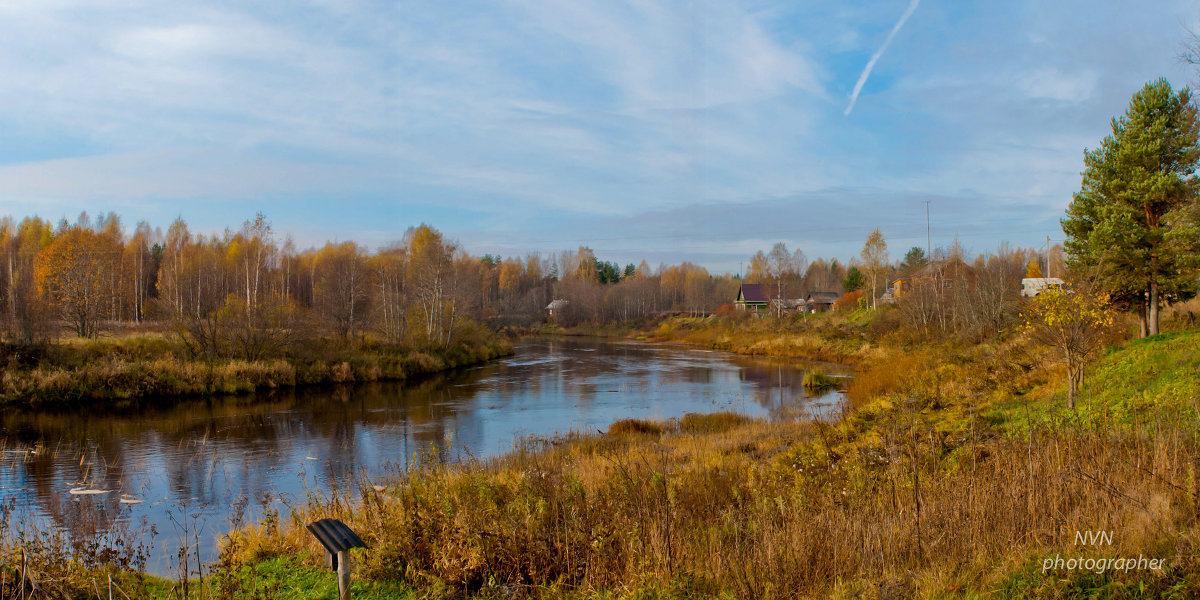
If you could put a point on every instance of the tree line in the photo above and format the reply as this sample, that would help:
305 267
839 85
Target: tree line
1133 231
240 293
245 292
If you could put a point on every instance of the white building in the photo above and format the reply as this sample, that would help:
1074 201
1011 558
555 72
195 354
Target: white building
1032 286
556 306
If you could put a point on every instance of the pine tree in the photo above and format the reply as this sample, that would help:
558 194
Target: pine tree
1133 222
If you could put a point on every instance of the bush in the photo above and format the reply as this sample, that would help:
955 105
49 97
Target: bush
710 423
634 426
848 301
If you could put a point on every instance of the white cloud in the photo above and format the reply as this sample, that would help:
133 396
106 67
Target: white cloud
562 112
1053 84
677 56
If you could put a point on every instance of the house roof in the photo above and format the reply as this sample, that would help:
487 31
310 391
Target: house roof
557 304
823 297
753 292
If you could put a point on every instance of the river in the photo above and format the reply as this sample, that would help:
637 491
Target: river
198 467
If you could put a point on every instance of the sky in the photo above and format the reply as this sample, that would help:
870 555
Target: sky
664 131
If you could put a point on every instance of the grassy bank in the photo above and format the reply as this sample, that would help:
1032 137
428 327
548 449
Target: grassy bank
843 337
102 372
956 476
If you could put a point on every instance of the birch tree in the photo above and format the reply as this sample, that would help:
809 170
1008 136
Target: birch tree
874 257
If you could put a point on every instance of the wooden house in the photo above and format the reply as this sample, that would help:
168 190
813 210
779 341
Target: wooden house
752 296
820 301
556 307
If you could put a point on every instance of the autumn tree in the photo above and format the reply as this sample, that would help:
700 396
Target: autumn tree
432 281
259 320
171 281
824 276
343 286
390 266
760 269
992 303
195 280
1134 219
1072 321
585 264
138 268
874 260
24 315
509 280
784 270
1033 270
74 273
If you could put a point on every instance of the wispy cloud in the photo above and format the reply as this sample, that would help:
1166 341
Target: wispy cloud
696 128
866 72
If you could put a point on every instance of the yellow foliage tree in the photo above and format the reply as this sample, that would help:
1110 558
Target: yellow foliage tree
74 273
1074 321
1033 270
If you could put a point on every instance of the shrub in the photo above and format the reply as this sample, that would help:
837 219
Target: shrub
634 426
848 301
710 423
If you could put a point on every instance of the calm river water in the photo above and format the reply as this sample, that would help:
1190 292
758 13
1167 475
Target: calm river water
209 463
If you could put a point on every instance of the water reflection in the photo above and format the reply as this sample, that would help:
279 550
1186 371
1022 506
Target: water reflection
216 458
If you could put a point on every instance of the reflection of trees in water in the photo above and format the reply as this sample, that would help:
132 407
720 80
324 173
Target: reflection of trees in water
80 517
779 381
216 450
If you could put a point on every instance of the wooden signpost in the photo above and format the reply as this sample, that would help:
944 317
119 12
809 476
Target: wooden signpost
337 539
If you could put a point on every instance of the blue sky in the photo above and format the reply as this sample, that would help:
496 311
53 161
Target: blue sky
669 131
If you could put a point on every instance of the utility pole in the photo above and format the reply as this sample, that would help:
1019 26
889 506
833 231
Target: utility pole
928 237
1047 256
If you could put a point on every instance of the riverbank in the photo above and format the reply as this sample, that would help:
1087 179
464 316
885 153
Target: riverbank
840 337
958 474
107 372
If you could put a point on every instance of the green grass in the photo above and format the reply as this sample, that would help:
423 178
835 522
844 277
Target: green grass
287 578
1155 373
1130 385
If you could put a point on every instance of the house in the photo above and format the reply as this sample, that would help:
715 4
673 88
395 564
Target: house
788 304
752 296
820 301
1032 286
940 274
556 306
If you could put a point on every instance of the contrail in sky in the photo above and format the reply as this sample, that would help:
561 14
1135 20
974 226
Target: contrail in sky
862 78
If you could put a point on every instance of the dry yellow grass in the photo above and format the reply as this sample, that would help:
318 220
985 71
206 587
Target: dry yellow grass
954 475
767 510
98 371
